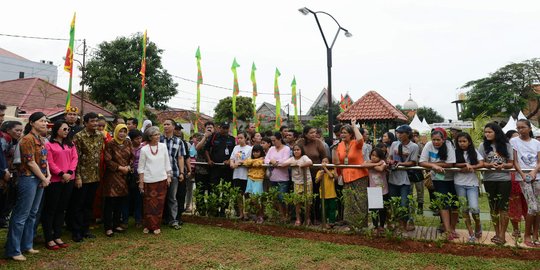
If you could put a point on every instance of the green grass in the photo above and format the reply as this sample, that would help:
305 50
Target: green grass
207 247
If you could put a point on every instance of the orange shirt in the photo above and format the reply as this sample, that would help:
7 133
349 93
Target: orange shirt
355 157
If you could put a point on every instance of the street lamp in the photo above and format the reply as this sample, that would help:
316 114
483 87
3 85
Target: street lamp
307 11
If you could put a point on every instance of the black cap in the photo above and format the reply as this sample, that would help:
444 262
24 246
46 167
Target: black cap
404 129
178 126
224 125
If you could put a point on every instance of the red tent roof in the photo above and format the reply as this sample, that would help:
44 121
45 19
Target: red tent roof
34 94
372 107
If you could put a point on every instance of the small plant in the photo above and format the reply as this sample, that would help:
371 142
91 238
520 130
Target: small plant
269 201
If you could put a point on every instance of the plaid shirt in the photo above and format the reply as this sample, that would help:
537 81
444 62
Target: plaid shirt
176 149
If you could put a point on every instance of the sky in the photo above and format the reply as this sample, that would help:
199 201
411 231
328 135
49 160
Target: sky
430 47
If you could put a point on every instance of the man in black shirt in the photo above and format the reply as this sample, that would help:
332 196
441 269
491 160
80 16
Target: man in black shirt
72 115
218 149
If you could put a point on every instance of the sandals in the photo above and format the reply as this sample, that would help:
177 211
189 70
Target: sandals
498 241
61 244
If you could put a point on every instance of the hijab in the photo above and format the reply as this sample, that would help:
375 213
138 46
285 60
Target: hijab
116 131
146 123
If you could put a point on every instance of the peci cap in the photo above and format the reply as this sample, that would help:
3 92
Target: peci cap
224 125
404 129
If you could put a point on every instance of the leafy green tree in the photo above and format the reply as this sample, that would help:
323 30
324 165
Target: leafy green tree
505 91
319 121
223 111
324 110
112 74
430 114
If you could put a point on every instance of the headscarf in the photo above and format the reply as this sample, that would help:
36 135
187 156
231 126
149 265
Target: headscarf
145 123
116 131
443 131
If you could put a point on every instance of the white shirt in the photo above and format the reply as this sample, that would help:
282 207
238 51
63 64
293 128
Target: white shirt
469 178
154 167
241 153
527 154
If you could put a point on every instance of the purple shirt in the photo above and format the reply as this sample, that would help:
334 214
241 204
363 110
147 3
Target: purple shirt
136 154
278 174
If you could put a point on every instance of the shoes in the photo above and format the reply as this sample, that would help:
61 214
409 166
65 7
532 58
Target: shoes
53 247
119 230
156 232
180 222
89 235
138 225
472 239
109 233
77 238
32 251
61 244
145 230
19 258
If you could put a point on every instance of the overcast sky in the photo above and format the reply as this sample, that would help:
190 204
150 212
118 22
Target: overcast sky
433 47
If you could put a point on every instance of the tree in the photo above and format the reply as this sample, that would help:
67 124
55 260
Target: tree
324 110
223 111
112 74
430 114
506 90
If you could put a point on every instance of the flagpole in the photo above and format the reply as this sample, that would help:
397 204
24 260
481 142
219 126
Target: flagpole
143 82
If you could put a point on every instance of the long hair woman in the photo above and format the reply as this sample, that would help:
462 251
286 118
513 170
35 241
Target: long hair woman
527 156
34 176
62 156
498 155
155 174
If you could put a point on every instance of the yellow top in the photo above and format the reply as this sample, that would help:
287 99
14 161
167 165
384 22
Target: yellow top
255 169
329 184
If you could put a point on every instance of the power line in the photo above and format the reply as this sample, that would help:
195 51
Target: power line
225 88
34 37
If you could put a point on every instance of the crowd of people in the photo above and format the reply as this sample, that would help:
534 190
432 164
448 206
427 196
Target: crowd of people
66 175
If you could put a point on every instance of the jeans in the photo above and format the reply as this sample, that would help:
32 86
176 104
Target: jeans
56 200
21 225
171 204
470 193
402 191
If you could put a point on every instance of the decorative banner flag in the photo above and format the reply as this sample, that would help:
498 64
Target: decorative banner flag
278 102
143 81
254 82
199 82
68 64
342 104
236 91
293 100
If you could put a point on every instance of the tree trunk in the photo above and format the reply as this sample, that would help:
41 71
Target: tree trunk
535 111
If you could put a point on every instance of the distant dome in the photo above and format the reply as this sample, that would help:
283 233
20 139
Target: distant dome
410 105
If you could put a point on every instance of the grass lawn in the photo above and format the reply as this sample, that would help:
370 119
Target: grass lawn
207 247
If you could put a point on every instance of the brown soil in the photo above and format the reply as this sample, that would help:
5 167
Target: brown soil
407 246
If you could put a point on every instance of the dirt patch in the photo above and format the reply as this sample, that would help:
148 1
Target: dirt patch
407 246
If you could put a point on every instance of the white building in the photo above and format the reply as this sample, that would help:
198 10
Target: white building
13 66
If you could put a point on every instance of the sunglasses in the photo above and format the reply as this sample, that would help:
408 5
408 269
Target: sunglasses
66 129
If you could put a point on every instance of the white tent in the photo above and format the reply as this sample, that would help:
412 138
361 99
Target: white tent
510 125
416 123
427 127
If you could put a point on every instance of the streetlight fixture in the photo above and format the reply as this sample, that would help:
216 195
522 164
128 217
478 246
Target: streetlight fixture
307 11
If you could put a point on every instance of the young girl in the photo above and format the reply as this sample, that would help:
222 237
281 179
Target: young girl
301 178
377 178
256 174
517 205
497 154
527 156
329 176
437 155
466 182
240 174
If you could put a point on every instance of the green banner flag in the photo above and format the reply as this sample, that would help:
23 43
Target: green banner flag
236 91
254 83
143 81
68 64
199 82
293 100
278 102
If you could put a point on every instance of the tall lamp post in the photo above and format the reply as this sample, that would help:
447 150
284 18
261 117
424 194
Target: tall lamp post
307 11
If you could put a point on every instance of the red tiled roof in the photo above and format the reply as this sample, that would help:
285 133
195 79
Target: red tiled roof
9 54
372 107
182 115
34 94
